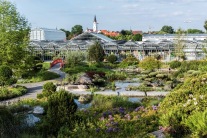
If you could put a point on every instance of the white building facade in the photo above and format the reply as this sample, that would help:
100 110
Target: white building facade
44 34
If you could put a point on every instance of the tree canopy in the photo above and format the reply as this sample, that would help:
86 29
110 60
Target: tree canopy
205 25
96 53
76 30
167 29
14 36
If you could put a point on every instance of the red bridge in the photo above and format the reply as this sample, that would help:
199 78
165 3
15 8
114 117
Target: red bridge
54 62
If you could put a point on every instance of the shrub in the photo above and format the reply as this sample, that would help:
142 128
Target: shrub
101 102
129 61
153 74
183 101
8 93
48 89
160 76
5 75
61 108
175 64
96 53
149 63
7 123
75 58
111 58
197 122
116 76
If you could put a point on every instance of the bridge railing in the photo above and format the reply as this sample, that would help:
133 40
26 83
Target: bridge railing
54 62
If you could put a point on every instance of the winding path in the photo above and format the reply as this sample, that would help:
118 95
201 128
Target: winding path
35 88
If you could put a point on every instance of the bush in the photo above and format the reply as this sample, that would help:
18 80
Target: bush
48 89
111 59
96 53
149 63
75 58
61 108
175 64
7 123
101 102
182 102
129 61
116 76
197 122
5 75
8 93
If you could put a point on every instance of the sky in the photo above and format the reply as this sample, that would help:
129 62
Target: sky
114 15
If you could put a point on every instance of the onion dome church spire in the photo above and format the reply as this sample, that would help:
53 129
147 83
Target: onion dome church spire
95 25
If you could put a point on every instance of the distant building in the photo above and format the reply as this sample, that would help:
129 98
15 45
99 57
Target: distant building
109 33
136 32
44 34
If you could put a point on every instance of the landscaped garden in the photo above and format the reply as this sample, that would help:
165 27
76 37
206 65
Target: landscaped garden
54 113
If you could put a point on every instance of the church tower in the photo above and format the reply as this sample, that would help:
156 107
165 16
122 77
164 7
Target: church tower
95 25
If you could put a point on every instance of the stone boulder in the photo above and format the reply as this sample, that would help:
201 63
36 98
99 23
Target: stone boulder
85 80
38 110
31 120
82 87
84 98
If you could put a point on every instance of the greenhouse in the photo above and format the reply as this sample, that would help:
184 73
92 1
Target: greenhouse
46 50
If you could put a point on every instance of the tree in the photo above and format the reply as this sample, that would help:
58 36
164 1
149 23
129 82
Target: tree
178 47
150 63
96 53
167 29
194 31
67 33
6 76
205 25
76 30
74 58
112 58
14 36
137 37
61 108
126 32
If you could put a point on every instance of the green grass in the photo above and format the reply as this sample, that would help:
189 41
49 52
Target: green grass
40 76
46 65
106 102
9 92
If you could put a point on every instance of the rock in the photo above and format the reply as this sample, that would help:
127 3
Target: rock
38 110
82 86
167 87
158 134
117 88
72 86
31 120
85 80
84 98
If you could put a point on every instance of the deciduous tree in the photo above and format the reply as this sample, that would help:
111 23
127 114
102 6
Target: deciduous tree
167 29
14 36
96 53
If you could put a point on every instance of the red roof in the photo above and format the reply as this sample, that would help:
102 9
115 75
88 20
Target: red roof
136 32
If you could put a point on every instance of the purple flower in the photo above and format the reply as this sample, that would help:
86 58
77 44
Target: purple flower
154 107
137 109
97 130
109 130
121 110
115 129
